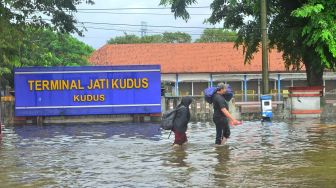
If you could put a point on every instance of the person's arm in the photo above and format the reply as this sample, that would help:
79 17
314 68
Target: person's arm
228 115
220 101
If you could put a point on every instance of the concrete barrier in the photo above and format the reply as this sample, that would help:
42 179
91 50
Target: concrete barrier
305 101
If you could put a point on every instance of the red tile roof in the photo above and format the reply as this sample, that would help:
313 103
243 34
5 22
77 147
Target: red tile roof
185 58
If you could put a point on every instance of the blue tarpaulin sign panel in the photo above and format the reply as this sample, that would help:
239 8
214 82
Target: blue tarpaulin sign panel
58 91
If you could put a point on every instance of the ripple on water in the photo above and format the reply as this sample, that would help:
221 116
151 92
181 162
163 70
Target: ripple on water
140 155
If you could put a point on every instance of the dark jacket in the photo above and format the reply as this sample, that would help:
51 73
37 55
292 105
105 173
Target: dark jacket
182 115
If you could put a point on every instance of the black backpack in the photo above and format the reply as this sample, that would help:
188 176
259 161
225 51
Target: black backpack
168 118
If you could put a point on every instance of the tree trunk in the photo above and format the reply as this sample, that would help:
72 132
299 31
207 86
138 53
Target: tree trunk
314 68
0 102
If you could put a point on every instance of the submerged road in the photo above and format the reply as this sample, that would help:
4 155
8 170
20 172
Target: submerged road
282 154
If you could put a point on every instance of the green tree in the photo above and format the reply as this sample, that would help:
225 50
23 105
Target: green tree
126 39
217 35
151 39
167 37
57 15
176 37
16 16
304 30
40 47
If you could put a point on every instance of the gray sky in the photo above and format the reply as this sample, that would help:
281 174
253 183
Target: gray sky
98 37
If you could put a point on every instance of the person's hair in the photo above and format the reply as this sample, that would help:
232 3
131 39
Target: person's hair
222 86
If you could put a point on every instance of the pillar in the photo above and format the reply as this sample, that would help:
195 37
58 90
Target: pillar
279 87
176 86
245 88
192 88
258 89
211 80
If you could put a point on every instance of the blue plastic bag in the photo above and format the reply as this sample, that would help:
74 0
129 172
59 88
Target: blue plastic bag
208 93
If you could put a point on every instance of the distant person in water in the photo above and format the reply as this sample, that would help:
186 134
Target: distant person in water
222 116
182 119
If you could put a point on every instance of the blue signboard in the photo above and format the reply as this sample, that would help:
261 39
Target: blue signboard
58 91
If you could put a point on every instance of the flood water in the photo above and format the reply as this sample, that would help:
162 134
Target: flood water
279 154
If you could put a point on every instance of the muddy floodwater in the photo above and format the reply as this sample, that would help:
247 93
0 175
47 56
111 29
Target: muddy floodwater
299 153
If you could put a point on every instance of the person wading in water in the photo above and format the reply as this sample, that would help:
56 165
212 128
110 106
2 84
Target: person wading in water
181 121
222 116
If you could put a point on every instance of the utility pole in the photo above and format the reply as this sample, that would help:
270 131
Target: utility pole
265 76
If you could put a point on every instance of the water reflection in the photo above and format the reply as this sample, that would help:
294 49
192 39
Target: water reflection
221 169
177 157
300 152
101 131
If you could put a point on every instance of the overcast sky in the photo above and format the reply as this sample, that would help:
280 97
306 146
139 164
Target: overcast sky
98 37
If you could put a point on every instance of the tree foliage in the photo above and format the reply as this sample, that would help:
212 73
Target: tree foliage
134 39
176 37
17 20
178 7
320 30
166 37
40 47
217 35
57 15
304 30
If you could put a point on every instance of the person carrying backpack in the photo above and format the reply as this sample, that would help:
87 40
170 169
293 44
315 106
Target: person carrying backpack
181 121
222 116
